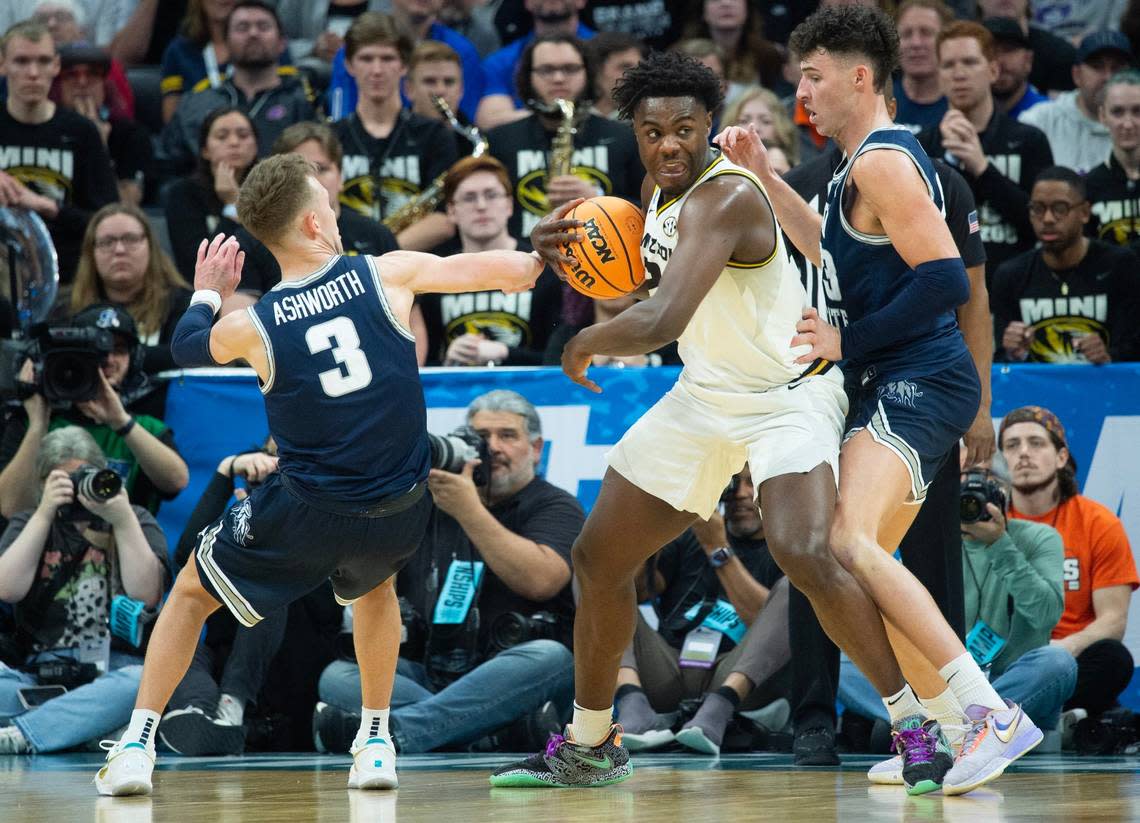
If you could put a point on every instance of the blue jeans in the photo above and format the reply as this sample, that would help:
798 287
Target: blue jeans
1040 681
489 697
94 710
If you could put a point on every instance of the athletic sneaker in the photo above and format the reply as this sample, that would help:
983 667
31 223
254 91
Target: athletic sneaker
647 740
127 771
192 732
887 772
373 765
815 745
925 754
997 738
565 764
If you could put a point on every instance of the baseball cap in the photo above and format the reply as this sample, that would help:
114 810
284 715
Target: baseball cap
1104 40
108 316
1007 30
75 55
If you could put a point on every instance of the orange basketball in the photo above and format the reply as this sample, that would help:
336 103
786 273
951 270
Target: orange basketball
609 258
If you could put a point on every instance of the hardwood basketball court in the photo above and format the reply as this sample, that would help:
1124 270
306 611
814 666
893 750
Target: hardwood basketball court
454 789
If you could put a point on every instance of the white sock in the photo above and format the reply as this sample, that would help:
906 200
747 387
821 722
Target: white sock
590 726
231 710
903 704
968 683
142 728
945 708
373 724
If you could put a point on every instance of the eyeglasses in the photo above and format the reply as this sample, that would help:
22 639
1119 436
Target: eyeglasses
472 198
1060 208
567 69
132 240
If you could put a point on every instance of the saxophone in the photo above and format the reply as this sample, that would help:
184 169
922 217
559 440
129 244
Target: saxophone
428 200
562 146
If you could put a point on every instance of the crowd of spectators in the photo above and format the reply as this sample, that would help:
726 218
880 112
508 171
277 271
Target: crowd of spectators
128 127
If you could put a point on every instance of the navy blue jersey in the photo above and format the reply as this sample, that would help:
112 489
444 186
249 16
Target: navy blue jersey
343 395
862 273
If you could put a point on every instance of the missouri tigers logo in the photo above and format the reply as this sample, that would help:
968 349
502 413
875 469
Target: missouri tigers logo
243 513
900 392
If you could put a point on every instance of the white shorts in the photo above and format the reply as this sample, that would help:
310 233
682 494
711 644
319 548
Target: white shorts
687 447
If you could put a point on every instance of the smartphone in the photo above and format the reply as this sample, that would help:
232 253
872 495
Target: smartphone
33 696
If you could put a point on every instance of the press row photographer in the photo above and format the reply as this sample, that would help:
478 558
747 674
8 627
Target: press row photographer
490 585
85 571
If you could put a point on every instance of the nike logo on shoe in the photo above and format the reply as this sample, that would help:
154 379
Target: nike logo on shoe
1006 732
604 763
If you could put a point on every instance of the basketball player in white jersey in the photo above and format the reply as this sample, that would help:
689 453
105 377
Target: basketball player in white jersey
721 283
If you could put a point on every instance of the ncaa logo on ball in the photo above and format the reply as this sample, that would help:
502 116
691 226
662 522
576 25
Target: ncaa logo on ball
670 227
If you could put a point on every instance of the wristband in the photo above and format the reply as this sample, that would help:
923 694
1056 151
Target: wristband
721 556
209 297
125 429
230 211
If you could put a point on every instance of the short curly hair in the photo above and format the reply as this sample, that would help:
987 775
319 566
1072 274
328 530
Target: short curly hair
667 74
853 30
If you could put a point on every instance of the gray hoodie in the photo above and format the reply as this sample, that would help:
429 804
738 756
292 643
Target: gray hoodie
1077 142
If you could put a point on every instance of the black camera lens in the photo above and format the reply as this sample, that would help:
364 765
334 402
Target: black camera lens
971 508
70 376
97 484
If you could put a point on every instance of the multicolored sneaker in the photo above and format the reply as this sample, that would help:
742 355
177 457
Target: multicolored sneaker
924 752
566 764
127 771
373 765
997 738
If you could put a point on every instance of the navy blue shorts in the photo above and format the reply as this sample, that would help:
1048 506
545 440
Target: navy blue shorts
919 418
273 548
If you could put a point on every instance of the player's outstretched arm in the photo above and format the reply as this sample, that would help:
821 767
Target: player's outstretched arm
800 222
724 217
420 273
893 191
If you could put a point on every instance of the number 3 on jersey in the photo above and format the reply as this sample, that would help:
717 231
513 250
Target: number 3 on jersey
830 277
339 334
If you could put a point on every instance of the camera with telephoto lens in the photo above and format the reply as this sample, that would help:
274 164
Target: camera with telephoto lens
94 483
512 628
979 488
451 453
65 359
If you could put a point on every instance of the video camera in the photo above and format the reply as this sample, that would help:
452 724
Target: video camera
979 487
451 452
65 359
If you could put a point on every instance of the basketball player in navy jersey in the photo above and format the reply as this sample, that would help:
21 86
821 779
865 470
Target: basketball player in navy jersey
893 278
723 285
337 364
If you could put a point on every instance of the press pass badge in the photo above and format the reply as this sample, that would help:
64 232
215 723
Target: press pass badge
700 648
984 644
458 592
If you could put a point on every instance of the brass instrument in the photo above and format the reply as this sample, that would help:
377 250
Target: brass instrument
562 146
428 200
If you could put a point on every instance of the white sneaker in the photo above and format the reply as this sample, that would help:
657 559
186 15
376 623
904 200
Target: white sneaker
1068 728
373 765
12 741
127 771
887 772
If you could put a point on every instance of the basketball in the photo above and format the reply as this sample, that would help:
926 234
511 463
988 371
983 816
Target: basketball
609 258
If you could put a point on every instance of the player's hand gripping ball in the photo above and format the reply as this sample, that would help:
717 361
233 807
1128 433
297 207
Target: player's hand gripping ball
608 259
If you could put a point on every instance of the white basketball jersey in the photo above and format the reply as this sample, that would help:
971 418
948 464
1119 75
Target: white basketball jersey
739 338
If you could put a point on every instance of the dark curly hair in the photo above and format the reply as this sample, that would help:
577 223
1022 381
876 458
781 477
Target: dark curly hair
853 30
667 74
